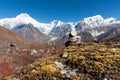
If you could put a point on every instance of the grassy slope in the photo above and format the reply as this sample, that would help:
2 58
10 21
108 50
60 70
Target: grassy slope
87 62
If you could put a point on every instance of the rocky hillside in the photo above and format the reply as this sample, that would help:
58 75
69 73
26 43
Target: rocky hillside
112 33
91 61
31 33
9 39
10 36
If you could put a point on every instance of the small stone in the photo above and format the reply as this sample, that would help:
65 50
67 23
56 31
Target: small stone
65 55
105 79
59 65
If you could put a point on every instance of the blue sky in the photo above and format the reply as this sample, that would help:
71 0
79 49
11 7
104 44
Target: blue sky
64 10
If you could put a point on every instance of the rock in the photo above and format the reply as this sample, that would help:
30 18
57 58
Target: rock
59 65
68 73
32 52
73 39
65 55
12 45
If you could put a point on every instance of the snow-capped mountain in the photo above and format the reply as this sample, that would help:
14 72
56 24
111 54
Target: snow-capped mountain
95 24
97 21
24 18
56 30
92 22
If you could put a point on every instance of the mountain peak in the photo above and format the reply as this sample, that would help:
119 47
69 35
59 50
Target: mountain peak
94 18
97 16
56 22
111 19
23 15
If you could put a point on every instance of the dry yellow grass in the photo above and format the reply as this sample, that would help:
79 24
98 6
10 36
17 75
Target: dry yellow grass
86 62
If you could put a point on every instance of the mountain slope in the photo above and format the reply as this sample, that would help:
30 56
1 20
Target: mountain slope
31 33
86 36
8 38
60 31
112 33
86 62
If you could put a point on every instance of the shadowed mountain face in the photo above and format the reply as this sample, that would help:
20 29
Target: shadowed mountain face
86 36
112 33
59 32
31 33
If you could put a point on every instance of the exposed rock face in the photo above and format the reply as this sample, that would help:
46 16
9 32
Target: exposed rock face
86 36
73 39
31 33
112 33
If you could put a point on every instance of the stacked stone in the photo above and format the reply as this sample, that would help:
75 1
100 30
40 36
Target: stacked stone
73 39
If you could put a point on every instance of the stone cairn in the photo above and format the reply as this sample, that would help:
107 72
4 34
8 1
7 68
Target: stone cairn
73 39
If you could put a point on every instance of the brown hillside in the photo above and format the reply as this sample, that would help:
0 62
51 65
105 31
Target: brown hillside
7 34
8 38
90 61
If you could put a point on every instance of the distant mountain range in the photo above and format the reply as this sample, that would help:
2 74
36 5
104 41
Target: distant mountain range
93 28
